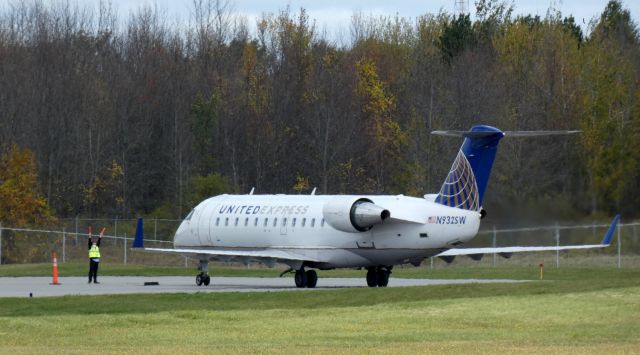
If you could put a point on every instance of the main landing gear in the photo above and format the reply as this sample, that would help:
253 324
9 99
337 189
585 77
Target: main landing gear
307 278
203 277
378 276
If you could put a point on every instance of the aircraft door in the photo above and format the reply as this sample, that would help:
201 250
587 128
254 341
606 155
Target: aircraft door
214 226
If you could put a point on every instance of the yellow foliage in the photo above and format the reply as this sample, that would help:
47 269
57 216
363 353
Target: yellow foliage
256 93
116 170
609 128
302 184
105 188
379 106
21 202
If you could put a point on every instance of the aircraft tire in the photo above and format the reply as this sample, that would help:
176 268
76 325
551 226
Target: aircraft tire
301 278
383 278
199 280
207 280
312 278
372 277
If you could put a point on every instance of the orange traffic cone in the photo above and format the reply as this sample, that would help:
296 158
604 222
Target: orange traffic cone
55 270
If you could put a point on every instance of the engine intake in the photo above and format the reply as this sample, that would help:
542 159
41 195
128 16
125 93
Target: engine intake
353 214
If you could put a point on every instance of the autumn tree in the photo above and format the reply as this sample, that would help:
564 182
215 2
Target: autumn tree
385 134
540 63
456 35
182 106
610 124
21 202
205 186
106 191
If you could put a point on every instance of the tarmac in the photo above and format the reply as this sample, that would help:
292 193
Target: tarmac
110 285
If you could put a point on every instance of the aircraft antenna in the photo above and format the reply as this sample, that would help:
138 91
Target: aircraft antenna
314 191
251 192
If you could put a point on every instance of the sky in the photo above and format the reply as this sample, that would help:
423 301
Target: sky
335 12
334 16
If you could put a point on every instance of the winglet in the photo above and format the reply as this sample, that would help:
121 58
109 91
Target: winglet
138 242
612 228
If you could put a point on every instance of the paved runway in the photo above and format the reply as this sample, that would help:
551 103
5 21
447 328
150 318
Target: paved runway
40 286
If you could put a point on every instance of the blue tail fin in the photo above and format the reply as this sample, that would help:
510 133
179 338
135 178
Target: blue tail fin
464 186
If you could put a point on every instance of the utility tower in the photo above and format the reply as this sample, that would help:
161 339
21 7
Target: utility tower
461 7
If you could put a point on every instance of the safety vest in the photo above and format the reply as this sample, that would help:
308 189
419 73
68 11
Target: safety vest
94 252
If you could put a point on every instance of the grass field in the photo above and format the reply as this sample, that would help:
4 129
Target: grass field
574 310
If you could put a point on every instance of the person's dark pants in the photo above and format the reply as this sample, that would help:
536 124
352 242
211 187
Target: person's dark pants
93 270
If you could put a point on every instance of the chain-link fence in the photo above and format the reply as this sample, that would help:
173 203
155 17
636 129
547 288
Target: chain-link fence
35 245
623 252
70 242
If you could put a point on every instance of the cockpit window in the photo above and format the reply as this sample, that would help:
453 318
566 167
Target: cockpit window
188 217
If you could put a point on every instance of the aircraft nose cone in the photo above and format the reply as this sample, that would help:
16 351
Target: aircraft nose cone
178 238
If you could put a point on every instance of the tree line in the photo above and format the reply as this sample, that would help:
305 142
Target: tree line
146 115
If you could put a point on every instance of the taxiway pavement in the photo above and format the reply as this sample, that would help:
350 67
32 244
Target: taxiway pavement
41 287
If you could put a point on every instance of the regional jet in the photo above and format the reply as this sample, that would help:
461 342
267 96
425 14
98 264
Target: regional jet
322 232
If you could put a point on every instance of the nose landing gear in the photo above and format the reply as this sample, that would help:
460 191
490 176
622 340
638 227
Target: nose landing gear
203 277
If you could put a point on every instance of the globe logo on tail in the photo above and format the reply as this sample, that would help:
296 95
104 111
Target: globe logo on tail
460 189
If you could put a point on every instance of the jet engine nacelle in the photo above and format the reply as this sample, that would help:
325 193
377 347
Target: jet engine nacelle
353 214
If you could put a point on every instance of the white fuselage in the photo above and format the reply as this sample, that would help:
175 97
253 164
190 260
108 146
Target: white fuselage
417 228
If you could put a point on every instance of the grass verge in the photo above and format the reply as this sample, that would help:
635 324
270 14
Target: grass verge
573 310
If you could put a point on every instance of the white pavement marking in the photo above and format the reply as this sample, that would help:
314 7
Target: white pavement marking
41 287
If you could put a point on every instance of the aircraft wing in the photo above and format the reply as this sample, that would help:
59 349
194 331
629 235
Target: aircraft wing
267 255
225 254
476 253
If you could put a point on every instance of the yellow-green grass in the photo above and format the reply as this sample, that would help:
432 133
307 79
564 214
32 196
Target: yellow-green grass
574 310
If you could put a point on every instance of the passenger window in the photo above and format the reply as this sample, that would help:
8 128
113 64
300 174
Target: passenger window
293 222
284 222
322 223
266 220
313 222
246 221
255 223
236 224
304 221
217 221
226 222
275 221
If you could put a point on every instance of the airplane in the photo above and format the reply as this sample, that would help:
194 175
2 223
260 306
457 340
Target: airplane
309 232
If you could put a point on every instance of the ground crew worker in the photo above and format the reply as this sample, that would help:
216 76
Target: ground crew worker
94 256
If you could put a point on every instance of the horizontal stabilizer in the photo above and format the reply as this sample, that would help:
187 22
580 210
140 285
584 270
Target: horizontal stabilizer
537 133
481 134
465 134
